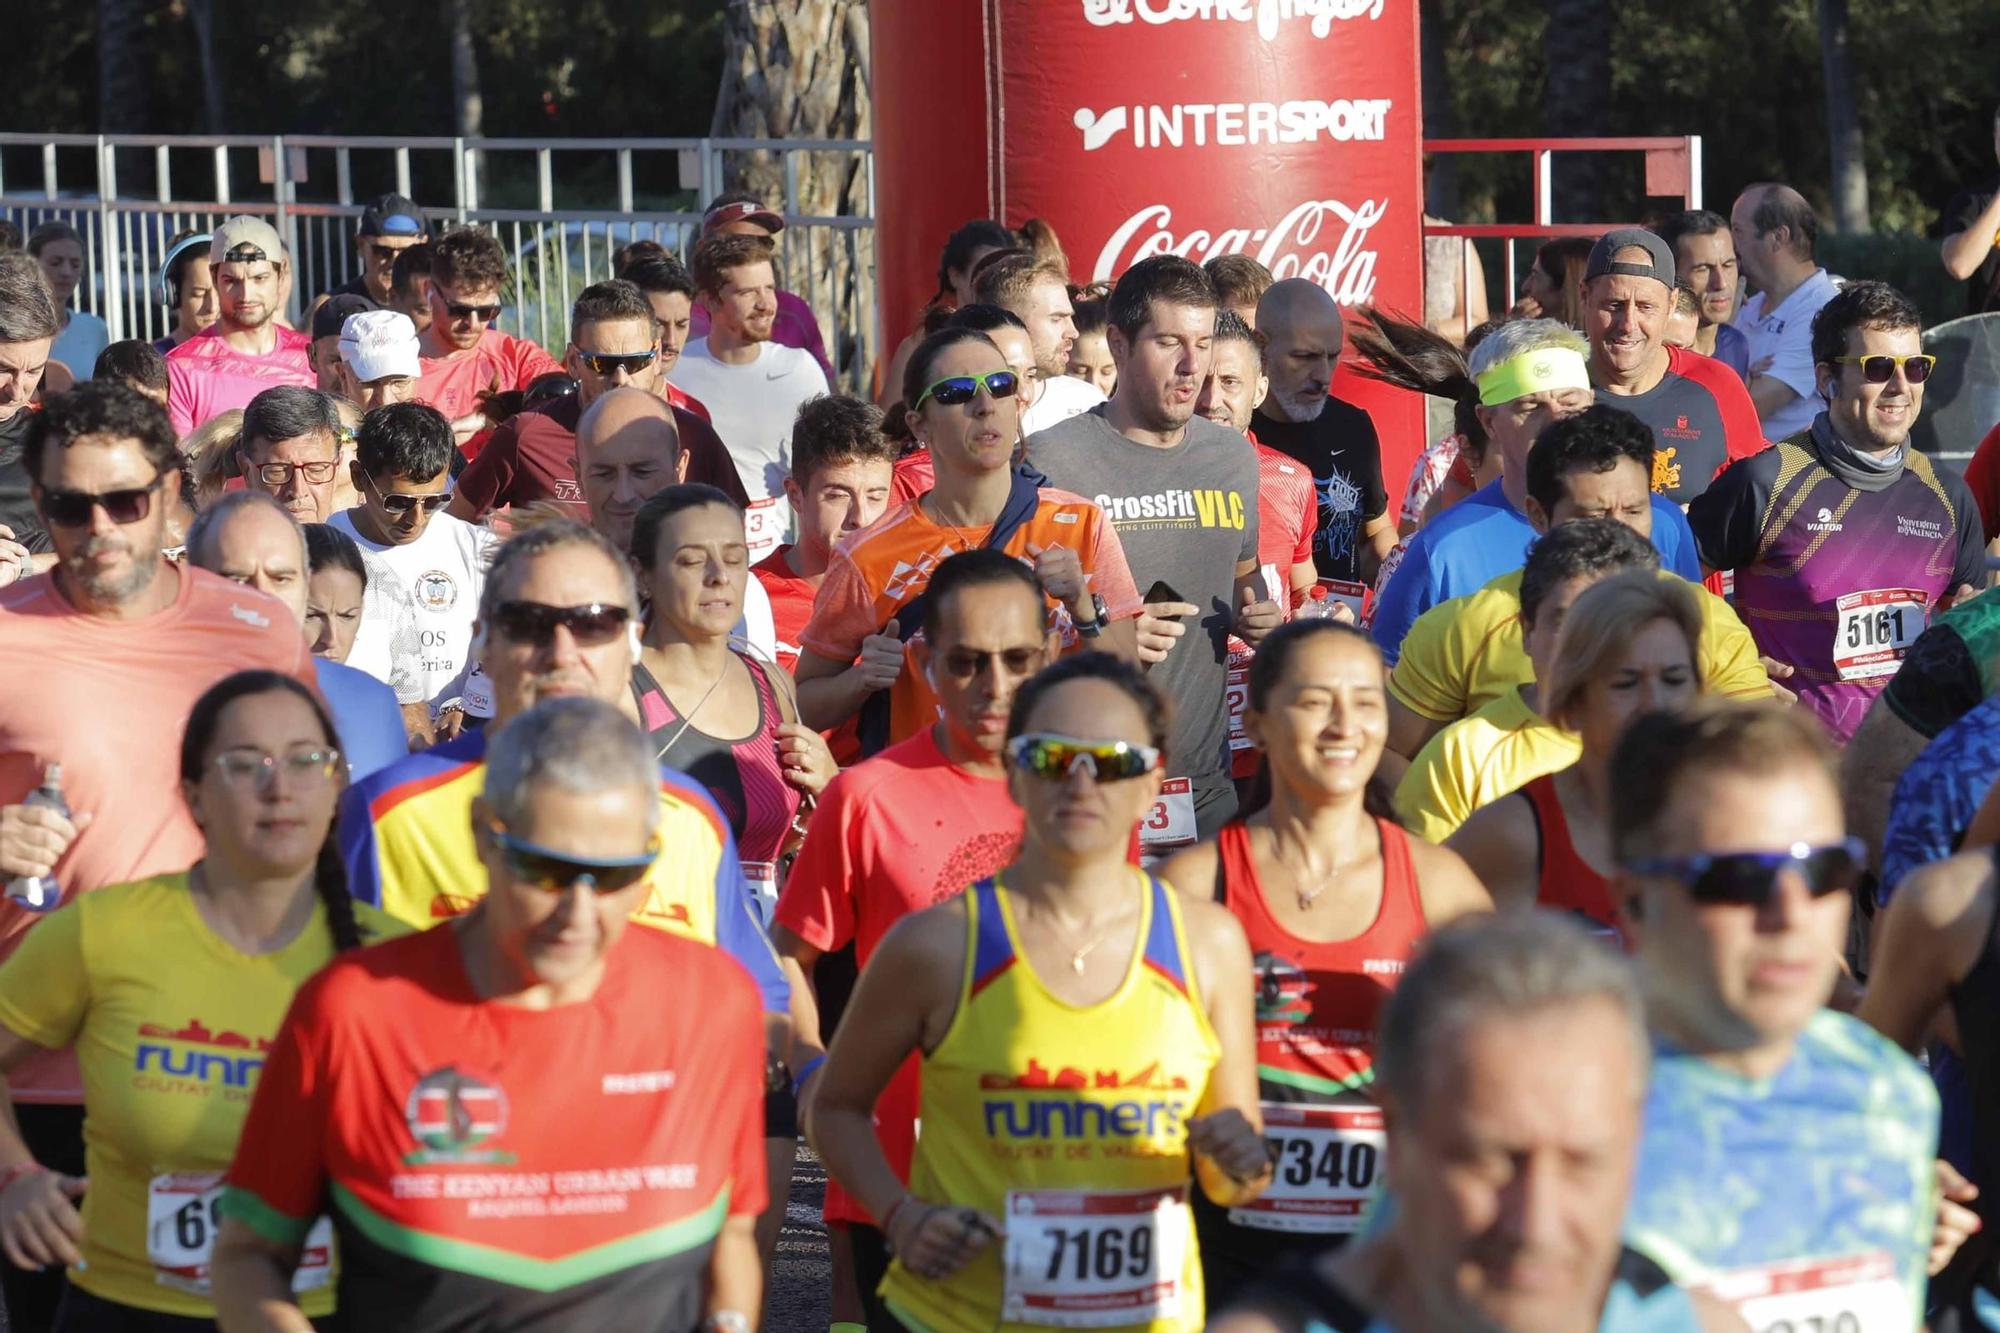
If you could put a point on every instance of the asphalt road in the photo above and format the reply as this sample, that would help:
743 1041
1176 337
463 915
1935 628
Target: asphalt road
800 1271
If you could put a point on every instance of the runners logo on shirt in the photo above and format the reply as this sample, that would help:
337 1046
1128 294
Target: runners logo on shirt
227 1057
451 1114
436 591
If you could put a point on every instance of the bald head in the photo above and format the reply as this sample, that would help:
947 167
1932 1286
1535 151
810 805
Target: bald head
628 449
1302 323
248 537
1775 231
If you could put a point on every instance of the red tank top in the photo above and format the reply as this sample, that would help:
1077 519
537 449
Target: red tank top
1567 883
1317 1003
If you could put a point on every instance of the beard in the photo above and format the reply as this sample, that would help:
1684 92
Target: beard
109 589
1299 408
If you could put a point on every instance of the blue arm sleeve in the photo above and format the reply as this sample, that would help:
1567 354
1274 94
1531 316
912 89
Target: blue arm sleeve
356 839
741 935
1674 540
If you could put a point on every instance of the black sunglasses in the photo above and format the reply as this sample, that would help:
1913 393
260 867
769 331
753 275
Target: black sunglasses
400 505
460 310
536 622
72 509
554 872
1749 879
610 363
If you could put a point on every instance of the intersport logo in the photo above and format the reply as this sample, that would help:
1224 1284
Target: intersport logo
1266 14
1323 240
1235 124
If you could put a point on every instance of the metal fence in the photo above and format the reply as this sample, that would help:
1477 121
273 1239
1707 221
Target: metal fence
560 208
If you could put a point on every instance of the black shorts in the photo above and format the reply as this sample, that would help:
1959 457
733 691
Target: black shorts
781 1115
82 1312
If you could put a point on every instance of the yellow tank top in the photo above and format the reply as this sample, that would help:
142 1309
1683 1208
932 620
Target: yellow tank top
1068 1124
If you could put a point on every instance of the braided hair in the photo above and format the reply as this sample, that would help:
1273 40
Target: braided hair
329 871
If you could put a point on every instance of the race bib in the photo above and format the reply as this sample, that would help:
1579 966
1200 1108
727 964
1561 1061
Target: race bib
1236 696
762 879
1326 1169
1087 1260
1874 629
180 1231
764 524
1170 823
1859 1295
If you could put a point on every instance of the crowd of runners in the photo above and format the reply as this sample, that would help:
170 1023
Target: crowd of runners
470 813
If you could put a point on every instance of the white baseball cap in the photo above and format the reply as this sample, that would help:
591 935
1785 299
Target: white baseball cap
378 344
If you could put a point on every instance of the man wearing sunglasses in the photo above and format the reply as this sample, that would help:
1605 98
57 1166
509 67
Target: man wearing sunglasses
249 348
390 224
103 657
1845 540
1788 1158
536 1117
531 458
425 568
464 356
290 447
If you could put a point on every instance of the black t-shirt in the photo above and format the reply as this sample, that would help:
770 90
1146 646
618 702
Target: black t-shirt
1341 449
1982 291
1689 442
17 510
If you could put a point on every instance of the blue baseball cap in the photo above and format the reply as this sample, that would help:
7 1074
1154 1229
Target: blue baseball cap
392 215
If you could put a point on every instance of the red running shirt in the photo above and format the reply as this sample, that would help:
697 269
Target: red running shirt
1287 515
791 607
1567 883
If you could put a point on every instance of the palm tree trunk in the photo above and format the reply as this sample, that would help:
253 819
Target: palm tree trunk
1843 122
1576 98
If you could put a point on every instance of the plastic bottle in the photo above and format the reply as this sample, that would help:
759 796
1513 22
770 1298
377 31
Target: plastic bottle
41 893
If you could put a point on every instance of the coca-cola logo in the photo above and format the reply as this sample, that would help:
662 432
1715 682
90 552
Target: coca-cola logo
1323 240
1266 14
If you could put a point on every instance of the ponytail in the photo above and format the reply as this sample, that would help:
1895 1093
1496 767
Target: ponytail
330 883
1409 356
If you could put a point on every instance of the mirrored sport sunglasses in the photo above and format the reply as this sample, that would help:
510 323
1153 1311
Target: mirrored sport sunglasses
72 509
1054 757
1881 368
555 872
536 622
610 363
954 390
1749 879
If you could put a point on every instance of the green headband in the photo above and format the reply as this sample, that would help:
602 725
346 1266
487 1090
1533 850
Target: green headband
1538 371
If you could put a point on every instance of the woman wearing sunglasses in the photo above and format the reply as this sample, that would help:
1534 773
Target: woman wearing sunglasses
170 991
1334 897
1629 645
1085 1040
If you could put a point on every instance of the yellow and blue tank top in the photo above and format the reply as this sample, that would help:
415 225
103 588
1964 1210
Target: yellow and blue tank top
1067 1123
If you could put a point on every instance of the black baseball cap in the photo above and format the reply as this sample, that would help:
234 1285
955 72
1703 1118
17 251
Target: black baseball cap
393 215
332 314
1602 261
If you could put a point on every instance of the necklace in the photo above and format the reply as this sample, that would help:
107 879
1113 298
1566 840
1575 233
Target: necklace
965 543
1307 897
1076 956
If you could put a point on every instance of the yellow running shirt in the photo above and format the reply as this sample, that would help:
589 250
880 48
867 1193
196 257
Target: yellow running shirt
170 1025
1067 1124
1463 654
1477 760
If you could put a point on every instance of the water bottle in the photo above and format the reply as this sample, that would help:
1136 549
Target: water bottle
41 893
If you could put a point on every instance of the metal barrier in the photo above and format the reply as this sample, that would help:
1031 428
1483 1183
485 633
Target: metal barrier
1673 166
308 185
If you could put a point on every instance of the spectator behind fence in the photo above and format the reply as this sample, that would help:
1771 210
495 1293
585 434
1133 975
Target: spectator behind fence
1972 239
389 225
29 322
187 288
1774 231
58 248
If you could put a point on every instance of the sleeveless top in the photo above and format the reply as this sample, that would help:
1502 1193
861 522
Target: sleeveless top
1566 882
743 775
1317 1006
1068 1125
1972 1282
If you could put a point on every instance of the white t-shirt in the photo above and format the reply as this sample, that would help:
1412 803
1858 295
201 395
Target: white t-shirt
422 599
1063 397
753 406
1785 335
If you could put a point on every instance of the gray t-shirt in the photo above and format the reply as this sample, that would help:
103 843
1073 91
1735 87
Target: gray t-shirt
1186 516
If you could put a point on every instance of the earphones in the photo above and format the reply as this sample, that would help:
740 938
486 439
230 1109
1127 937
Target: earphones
167 289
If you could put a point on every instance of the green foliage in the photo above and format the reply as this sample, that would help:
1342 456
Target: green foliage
1905 261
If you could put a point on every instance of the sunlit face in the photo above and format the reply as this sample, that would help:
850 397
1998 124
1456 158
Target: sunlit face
416 302
1622 493
459 317
1162 366
333 612
262 550
1019 353
975 436
109 563
378 262
674 311
1511 1186
1708 264
62 265
524 673
1323 727
558 938
266 822
990 639
1514 427
248 295
1079 818
196 308
375 393
1656 673
1626 320
699 571
398 524
1739 976
1754 248
621 468
329 371
838 500
1874 417
1303 353
1681 326
1235 385
746 308
1051 321
21 367
1090 361
612 337
306 499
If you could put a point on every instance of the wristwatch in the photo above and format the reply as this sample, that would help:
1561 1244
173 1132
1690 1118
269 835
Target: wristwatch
1093 627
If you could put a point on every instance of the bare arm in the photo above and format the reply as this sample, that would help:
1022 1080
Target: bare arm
1191 872
1499 845
1378 538
1446 885
796 959
830 692
1409 729
1964 251
1768 394
1227 1140
39 1222
735 1271
1883 746
253 1283
1929 938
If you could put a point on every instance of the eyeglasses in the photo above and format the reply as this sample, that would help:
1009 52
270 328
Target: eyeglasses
554 872
1881 367
72 509
400 505
251 768
460 310
610 363
1054 757
956 389
535 623
1749 879
280 474
965 663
